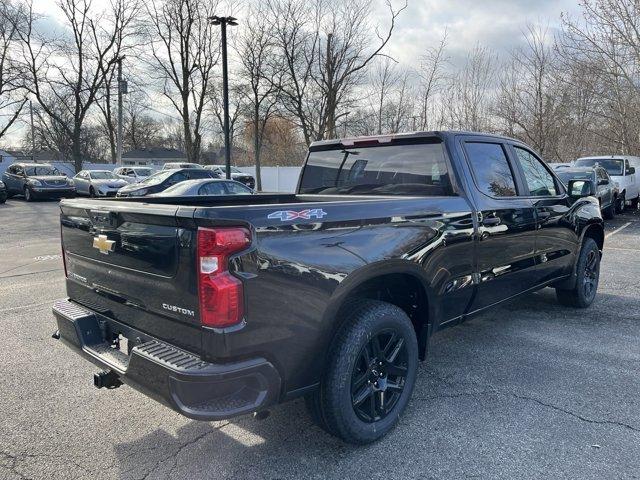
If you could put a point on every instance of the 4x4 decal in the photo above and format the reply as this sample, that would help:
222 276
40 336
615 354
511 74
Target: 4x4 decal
309 213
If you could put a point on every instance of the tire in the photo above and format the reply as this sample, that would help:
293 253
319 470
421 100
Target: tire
3 198
92 192
587 277
376 339
634 203
28 194
610 212
620 204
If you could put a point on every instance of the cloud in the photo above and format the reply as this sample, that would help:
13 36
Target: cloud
496 24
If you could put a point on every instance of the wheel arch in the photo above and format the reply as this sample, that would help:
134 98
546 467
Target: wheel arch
399 282
594 230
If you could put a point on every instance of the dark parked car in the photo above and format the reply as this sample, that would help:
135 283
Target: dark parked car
205 187
230 305
37 180
236 174
606 189
3 192
162 180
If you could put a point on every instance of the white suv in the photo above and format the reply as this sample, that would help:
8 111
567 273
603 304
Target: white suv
622 170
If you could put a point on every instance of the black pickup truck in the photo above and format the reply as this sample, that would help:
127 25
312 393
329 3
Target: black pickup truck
222 306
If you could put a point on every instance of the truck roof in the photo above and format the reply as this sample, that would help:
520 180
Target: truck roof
406 135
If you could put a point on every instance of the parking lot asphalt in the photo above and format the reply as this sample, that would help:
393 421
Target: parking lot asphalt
528 390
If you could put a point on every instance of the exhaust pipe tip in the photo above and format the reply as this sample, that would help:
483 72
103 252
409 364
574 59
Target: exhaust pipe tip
106 379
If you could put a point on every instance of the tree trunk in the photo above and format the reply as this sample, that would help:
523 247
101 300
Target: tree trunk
257 145
76 151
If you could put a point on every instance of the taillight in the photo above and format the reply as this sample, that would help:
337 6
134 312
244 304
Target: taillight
221 296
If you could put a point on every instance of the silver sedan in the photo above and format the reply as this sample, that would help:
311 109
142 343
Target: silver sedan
98 183
205 186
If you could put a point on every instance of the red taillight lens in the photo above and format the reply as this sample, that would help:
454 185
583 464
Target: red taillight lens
221 296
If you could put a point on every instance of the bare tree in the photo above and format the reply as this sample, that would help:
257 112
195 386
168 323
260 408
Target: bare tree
237 108
141 130
262 77
326 47
604 45
431 75
185 50
11 99
68 72
530 98
467 98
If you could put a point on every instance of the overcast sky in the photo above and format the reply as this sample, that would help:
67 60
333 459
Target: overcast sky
497 24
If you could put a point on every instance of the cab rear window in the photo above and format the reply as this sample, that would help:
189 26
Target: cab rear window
416 169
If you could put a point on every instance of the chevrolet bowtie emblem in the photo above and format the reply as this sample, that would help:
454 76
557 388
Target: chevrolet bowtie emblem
102 243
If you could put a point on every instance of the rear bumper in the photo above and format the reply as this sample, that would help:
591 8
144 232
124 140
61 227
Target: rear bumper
197 389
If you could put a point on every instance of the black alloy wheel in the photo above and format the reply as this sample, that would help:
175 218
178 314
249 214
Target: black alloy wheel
379 376
591 275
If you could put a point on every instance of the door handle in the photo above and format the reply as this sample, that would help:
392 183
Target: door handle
491 221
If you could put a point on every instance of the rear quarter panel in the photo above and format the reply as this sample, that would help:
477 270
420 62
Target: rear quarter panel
294 274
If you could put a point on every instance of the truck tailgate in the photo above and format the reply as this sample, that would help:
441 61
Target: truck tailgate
134 264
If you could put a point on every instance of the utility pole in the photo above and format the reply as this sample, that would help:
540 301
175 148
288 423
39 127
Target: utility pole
121 87
223 22
33 130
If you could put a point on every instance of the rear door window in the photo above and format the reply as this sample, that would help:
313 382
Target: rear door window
237 189
212 188
491 170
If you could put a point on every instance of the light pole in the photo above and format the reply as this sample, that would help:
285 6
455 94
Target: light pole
223 22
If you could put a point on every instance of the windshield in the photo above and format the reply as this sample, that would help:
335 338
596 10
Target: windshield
613 166
380 170
44 170
102 175
566 176
143 172
224 169
156 178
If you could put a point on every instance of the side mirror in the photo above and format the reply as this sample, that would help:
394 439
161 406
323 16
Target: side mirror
581 188
631 170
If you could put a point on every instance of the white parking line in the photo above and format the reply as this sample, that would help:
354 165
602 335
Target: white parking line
617 230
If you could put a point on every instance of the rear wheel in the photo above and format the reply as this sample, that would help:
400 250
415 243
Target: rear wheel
587 276
370 376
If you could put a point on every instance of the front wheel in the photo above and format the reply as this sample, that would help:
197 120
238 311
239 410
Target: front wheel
372 369
620 204
28 194
587 276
